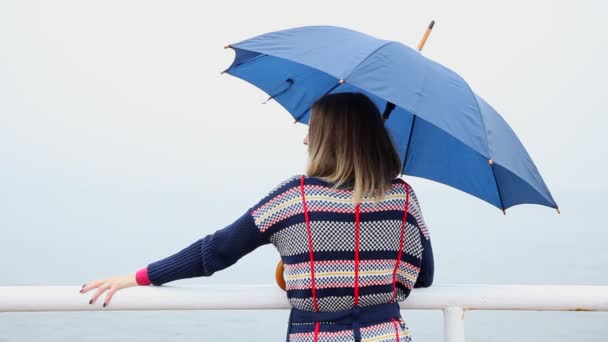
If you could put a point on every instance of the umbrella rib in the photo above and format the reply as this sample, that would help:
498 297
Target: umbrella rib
327 92
234 66
344 78
502 206
368 56
407 152
491 160
485 133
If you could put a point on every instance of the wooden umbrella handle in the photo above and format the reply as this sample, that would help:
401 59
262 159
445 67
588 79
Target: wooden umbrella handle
279 275
426 35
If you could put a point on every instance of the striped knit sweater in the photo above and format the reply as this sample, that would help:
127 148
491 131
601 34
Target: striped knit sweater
335 254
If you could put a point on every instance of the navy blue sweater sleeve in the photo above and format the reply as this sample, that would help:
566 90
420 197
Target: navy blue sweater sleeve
211 253
427 267
223 248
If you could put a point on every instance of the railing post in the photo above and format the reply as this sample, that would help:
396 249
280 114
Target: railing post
453 324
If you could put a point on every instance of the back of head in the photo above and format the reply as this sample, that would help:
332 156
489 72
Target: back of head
348 143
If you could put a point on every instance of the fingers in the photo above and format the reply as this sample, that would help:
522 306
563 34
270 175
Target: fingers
112 284
109 296
100 290
90 286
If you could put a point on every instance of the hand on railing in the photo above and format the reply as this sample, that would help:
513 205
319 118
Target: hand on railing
113 284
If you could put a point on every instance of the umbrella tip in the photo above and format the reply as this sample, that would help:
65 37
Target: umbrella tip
490 161
504 212
227 46
557 208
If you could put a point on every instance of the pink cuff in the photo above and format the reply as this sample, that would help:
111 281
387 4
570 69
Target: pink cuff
142 277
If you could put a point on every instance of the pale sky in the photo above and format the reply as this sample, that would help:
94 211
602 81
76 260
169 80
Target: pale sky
128 94
121 143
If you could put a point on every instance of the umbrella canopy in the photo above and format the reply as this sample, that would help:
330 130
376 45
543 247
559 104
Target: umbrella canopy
442 130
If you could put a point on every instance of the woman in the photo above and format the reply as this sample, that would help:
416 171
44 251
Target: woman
350 233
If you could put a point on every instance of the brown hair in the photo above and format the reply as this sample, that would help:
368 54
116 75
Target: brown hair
348 143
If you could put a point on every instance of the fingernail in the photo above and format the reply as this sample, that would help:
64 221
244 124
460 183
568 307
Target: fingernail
104 305
81 290
91 301
84 285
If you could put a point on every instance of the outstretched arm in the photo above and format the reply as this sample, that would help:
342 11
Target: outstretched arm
207 255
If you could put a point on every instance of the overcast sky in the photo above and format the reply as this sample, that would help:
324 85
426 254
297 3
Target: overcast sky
121 143
104 95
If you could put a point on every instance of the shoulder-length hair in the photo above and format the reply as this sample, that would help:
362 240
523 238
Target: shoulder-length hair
348 144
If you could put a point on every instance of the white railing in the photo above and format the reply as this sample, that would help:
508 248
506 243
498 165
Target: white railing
454 300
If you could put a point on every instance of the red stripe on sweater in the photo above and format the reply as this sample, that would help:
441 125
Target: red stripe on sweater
357 220
396 328
407 201
310 252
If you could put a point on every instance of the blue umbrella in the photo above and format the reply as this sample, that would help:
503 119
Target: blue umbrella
442 130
